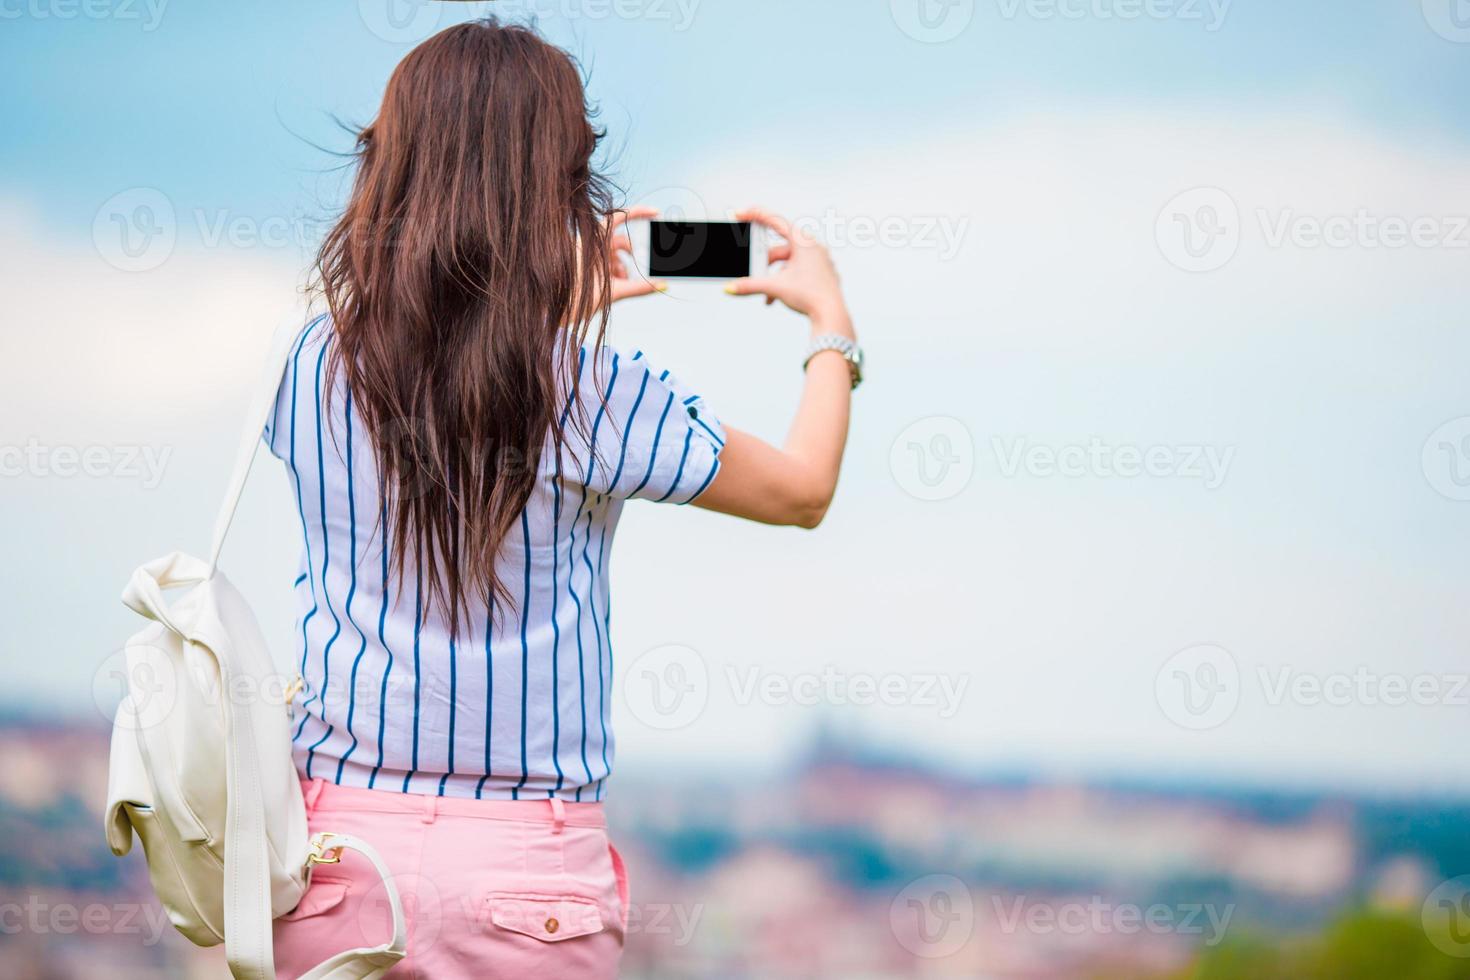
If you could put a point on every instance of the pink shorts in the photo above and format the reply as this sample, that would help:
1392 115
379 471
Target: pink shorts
490 888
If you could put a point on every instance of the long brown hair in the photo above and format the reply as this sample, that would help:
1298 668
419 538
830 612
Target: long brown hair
468 268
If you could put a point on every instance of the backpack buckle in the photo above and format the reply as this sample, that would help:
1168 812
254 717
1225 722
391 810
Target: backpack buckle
321 854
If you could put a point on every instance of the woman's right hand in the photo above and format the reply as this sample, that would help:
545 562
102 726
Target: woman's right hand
806 280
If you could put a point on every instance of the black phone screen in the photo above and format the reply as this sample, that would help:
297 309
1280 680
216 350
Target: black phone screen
699 249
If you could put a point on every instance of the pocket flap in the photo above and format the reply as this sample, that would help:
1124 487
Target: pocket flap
120 817
549 918
324 895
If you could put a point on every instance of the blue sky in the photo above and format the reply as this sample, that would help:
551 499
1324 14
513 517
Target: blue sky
219 104
1041 295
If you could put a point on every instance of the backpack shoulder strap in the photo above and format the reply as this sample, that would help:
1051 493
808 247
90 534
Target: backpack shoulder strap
248 940
367 962
262 402
247 883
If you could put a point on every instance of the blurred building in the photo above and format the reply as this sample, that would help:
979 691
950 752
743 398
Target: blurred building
821 872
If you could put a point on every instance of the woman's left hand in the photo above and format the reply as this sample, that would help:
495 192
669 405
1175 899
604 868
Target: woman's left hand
624 285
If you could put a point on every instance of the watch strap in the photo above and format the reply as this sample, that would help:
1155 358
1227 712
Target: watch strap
845 346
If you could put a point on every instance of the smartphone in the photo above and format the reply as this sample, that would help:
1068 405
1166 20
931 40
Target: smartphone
699 250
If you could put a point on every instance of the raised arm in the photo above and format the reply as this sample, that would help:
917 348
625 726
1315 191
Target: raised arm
794 484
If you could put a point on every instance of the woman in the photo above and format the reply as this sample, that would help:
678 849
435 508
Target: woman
460 454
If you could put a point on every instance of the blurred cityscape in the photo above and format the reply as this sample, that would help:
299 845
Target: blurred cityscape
853 865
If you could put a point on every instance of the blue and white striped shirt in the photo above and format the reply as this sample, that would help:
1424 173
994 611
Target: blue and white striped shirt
517 705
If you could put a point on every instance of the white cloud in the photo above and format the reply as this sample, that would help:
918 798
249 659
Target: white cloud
103 348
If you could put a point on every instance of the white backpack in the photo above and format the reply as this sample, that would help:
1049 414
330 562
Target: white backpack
201 764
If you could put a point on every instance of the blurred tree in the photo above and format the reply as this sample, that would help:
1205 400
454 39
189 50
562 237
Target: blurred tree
1363 946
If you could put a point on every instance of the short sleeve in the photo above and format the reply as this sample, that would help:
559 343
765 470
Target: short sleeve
655 438
305 355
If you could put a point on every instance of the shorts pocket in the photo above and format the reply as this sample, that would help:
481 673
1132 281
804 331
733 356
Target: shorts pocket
549 918
620 872
324 895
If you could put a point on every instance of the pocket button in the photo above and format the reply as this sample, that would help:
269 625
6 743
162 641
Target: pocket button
547 918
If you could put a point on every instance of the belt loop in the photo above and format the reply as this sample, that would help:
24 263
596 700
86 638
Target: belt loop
558 815
431 809
313 793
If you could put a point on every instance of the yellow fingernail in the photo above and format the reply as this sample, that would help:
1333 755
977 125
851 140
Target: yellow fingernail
731 290
662 287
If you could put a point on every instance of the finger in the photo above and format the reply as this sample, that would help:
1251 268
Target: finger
620 243
765 218
622 217
748 287
628 289
617 264
778 253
